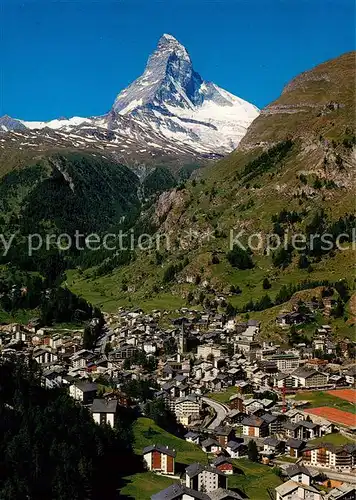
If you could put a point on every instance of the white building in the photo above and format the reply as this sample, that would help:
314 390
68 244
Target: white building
104 412
204 478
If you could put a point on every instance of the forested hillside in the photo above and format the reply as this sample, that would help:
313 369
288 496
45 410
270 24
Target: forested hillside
51 447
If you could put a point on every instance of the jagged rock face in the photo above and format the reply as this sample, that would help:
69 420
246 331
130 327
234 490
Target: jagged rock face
172 97
168 76
7 123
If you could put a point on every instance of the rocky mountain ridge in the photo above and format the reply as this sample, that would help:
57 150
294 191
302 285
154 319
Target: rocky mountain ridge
169 114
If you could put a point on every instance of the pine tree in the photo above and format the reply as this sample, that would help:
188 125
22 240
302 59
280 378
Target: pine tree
252 451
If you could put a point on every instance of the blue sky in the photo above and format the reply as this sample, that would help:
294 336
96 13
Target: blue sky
61 58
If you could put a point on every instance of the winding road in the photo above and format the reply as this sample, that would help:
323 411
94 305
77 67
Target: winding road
220 409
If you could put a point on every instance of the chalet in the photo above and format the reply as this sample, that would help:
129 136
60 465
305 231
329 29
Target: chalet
192 437
104 412
244 387
179 491
273 445
224 465
52 378
258 412
204 478
274 422
342 492
251 405
43 356
295 416
81 358
293 490
294 447
302 430
299 474
224 434
254 426
235 417
125 351
159 458
350 375
291 318
211 445
309 378
83 391
236 450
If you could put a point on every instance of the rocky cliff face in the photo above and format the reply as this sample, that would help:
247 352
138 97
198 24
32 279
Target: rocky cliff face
172 98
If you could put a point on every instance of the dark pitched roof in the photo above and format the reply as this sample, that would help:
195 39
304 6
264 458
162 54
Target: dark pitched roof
209 442
192 435
221 460
253 421
295 443
305 373
159 447
271 441
234 445
295 469
104 406
196 468
177 490
308 425
223 430
86 386
268 418
222 494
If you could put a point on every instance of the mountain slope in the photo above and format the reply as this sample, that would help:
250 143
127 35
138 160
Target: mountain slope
294 172
61 193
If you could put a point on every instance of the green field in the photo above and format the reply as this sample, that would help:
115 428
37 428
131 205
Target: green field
321 398
254 479
141 486
146 432
223 397
336 439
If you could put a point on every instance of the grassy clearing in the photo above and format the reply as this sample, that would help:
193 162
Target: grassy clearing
145 484
255 479
335 439
321 398
223 397
146 432
22 316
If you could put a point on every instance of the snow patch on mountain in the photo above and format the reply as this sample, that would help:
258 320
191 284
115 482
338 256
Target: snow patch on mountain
56 124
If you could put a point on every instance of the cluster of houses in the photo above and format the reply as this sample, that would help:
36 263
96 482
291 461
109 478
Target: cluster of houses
210 482
198 353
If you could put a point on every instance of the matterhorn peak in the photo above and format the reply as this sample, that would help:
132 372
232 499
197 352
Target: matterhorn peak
169 101
172 98
170 43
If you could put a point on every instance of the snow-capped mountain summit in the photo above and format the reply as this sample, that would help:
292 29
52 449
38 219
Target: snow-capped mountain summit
173 98
169 78
169 110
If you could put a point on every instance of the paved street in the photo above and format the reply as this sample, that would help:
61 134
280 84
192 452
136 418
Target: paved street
332 474
220 411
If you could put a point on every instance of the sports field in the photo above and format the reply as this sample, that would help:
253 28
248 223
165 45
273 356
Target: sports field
345 394
334 415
